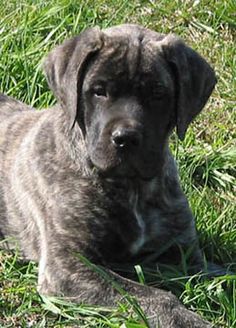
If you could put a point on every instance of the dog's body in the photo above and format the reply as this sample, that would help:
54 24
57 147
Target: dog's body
94 175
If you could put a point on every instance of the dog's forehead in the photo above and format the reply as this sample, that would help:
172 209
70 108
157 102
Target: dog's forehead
128 50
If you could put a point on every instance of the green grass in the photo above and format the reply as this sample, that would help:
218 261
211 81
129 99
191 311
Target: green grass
207 157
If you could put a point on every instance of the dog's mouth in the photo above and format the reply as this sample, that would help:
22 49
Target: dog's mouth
124 170
134 161
116 175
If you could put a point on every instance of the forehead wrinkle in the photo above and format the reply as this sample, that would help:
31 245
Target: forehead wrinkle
153 64
119 57
110 60
127 58
134 58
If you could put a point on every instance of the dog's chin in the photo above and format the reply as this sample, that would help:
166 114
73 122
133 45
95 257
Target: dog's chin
123 171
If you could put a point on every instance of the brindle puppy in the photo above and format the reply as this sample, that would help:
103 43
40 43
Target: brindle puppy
94 175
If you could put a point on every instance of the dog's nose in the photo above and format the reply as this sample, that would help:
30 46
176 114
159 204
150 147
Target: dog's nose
126 138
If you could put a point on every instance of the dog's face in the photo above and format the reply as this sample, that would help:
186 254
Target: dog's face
128 100
127 87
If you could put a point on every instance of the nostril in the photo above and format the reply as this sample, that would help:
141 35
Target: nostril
119 141
125 138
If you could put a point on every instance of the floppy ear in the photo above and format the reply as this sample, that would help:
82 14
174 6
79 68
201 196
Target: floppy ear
64 68
194 77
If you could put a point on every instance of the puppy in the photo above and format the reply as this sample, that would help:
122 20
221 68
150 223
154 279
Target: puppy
94 176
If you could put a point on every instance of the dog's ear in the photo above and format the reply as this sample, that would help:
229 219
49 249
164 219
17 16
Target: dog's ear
65 66
195 80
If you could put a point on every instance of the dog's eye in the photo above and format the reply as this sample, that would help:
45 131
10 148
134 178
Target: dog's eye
100 91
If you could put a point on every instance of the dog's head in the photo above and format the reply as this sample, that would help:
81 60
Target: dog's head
127 87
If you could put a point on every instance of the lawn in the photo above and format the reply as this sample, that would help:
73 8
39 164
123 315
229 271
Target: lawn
206 158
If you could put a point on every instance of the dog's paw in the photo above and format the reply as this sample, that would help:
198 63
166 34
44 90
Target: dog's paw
178 318
168 312
181 317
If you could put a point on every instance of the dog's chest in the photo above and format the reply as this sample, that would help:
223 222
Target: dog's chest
148 223
142 230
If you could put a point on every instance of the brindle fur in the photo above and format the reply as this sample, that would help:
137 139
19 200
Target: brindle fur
68 186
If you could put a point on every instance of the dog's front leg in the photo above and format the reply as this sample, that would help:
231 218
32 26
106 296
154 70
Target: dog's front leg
80 283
